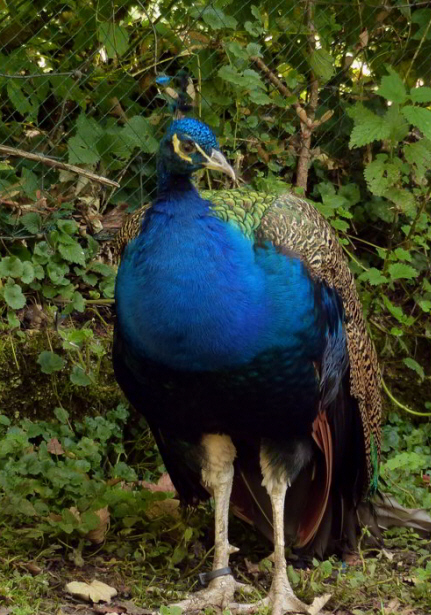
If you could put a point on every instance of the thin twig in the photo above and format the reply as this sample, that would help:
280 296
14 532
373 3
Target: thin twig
20 153
418 48
284 91
86 301
401 405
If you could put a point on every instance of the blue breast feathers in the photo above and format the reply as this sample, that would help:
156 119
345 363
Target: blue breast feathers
194 294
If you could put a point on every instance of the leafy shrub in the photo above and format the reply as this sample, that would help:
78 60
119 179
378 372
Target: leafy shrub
57 474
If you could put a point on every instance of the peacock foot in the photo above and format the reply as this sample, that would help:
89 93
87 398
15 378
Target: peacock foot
281 600
219 595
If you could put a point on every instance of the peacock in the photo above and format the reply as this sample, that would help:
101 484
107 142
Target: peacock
240 337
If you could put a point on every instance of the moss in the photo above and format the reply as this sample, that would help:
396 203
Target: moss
27 392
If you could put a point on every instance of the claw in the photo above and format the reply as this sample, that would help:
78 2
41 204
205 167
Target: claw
218 595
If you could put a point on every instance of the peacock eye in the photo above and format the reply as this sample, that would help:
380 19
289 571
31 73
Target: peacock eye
188 147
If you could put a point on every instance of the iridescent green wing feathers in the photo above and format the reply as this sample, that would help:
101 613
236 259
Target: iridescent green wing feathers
295 225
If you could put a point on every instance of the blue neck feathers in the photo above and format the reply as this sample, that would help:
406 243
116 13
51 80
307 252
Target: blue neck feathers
194 293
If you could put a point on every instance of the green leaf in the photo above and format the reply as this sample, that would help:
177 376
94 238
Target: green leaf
102 268
11 267
403 255
78 302
368 127
425 305
14 296
25 102
380 175
420 118
13 320
72 253
115 38
414 365
419 154
259 97
392 87
399 128
67 226
30 183
61 415
399 271
79 377
420 95
28 274
42 253
124 471
90 278
230 74
322 64
56 272
404 200
140 133
422 17
217 19
374 276
251 80
340 225
107 286
237 50
50 362
256 12
255 29
32 222
253 49
397 312
326 569
82 148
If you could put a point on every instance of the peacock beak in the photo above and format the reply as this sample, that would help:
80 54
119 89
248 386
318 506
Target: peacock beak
218 162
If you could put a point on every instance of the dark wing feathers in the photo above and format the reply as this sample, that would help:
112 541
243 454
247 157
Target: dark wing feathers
297 225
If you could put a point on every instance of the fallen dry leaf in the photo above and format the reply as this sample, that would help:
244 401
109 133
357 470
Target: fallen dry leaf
164 507
54 447
363 38
352 559
32 569
97 536
132 609
392 607
252 567
318 604
108 609
96 591
163 484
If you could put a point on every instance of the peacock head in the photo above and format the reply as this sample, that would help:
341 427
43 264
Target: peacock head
190 145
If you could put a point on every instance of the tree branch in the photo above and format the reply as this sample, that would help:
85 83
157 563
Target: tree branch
20 153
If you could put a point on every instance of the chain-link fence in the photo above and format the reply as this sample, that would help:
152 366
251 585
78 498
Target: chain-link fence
328 97
78 84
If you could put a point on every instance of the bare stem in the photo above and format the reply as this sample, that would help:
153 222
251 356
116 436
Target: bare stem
20 153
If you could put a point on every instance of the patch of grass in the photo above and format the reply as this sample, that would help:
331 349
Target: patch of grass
371 583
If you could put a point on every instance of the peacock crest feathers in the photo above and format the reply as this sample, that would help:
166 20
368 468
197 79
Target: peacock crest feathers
296 226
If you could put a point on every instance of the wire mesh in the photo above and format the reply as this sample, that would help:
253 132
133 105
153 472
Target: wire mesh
78 84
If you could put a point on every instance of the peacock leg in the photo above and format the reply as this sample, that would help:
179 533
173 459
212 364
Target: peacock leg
217 473
281 594
281 597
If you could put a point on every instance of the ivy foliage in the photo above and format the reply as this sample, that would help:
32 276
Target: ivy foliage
58 474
